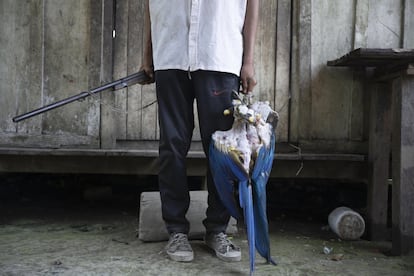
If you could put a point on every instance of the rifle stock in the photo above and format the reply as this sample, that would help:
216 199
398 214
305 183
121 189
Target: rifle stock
140 76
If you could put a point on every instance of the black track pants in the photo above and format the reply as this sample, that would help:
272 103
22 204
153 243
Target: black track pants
176 92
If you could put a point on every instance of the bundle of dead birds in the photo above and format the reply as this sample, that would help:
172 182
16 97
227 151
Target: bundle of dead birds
252 129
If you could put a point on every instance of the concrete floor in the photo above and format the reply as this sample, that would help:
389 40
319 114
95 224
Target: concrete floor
52 235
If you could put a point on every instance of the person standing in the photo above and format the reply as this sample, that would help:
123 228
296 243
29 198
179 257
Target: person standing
200 50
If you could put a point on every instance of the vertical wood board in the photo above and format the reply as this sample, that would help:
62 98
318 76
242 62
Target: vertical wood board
272 60
332 36
301 79
328 103
95 53
265 52
283 59
361 24
135 112
21 68
403 166
149 107
108 122
66 68
121 66
408 27
384 27
135 50
378 160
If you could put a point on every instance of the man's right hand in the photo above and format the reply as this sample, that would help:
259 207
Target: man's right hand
149 71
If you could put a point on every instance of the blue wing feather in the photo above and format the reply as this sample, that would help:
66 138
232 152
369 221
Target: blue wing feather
226 174
260 176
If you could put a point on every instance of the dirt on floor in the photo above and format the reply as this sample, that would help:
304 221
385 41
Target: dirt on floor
58 237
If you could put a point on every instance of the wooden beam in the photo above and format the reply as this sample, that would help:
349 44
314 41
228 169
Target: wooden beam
403 166
95 64
361 24
378 159
144 162
301 70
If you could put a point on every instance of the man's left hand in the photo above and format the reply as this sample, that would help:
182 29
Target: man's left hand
247 78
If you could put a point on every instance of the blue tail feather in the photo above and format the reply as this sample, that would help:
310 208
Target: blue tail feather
260 176
246 202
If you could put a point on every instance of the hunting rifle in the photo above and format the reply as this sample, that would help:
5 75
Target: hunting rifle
140 76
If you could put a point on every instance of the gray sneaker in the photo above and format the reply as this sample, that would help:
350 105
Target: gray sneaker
179 249
223 247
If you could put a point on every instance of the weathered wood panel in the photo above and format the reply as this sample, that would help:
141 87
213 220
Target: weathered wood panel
408 34
135 42
136 109
52 49
384 27
121 65
301 75
49 53
108 126
66 67
148 110
273 59
21 37
403 165
324 32
95 65
329 109
378 160
332 31
283 59
361 24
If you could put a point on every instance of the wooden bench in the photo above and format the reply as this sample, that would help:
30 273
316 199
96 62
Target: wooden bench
142 160
390 73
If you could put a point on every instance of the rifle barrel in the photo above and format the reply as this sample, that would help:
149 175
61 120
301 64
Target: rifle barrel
118 84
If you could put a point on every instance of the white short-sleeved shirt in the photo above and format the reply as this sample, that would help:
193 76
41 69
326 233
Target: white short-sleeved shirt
198 34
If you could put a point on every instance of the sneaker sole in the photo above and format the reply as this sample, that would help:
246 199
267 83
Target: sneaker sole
181 257
228 258
225 258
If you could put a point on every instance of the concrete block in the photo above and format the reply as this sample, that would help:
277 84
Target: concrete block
152 226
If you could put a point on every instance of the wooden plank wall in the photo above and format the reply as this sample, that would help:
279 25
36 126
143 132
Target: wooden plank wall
50 49
329 106
21 59
136 113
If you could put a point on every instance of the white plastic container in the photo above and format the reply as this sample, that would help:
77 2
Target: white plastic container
346 223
